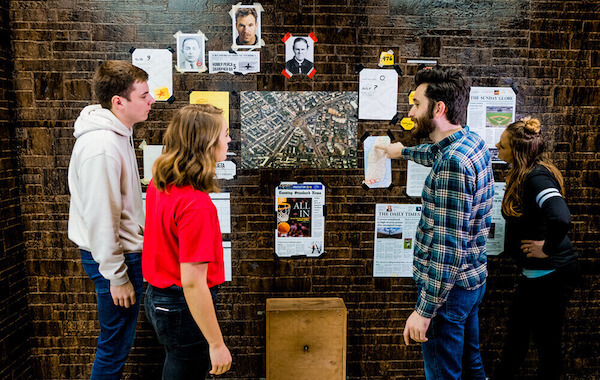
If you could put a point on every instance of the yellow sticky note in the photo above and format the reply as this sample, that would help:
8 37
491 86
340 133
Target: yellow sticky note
386 58
161 93
218 99
411 98
407 124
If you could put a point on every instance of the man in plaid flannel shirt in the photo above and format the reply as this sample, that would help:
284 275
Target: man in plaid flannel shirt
450 262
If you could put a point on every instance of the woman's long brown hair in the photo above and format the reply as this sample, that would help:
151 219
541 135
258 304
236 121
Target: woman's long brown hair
528 150
189 145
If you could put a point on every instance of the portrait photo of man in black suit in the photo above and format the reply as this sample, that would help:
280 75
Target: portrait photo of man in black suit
302 50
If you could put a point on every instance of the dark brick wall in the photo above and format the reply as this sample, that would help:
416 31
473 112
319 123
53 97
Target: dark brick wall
547 49
15 331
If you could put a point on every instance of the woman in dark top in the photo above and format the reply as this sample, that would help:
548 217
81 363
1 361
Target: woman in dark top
537 221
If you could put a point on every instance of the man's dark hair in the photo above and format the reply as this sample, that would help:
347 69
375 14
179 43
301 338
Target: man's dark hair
116 78
243 12
300 39
448 85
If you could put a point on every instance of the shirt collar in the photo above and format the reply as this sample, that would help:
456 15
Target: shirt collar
444 143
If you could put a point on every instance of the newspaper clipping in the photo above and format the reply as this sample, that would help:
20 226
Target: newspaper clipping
243 62
495 242
490 111
395 230
300 220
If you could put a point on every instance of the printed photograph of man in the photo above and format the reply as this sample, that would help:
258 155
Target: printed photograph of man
300 52
190 55
246 27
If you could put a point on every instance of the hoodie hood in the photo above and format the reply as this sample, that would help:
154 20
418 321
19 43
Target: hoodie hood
94 117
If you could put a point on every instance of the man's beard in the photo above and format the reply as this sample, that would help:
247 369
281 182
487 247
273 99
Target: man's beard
423 126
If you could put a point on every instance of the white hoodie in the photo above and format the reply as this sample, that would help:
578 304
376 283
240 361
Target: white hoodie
106 215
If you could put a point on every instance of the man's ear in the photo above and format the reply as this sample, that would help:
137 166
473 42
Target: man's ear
439 110
116 102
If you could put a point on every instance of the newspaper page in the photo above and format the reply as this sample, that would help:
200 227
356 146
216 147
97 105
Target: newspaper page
490 111
243 62
416 175
300 219
395 230
378 167
495 242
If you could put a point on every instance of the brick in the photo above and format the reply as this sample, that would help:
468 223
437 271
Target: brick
550 55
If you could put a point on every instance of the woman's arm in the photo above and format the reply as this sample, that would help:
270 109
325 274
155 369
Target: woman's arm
199 300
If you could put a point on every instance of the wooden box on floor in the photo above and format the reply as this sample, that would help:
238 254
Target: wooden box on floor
306 338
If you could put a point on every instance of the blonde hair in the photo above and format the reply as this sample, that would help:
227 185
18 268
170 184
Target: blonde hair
528 150
189 145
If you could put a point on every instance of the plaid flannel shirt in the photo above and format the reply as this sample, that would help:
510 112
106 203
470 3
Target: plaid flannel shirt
455 220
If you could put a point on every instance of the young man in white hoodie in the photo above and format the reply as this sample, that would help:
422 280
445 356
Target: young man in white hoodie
106 216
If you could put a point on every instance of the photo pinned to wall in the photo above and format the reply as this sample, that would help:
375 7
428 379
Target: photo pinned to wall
158 64
190 52
246 26
288 129
299 55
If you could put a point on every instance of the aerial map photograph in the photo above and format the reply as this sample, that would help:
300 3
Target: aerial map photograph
299 129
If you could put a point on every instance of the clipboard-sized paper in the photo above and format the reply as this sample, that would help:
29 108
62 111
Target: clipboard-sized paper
415 178
158 63
218 99
378 168
378 94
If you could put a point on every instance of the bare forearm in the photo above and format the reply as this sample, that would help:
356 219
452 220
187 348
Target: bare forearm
200 303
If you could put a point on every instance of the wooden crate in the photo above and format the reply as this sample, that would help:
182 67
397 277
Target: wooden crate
306 338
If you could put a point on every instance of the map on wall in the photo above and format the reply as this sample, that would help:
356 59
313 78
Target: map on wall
299 129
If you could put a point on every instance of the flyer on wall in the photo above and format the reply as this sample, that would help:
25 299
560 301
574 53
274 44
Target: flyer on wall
300 219
495 242
490 111
395 230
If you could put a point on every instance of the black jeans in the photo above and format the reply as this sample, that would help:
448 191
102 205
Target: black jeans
187 355
538 312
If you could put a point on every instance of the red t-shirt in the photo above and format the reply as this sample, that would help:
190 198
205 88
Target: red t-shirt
181 227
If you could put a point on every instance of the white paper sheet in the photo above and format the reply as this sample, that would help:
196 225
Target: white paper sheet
378 94
415 178
158 63
227 260
378 168
223 204
244 62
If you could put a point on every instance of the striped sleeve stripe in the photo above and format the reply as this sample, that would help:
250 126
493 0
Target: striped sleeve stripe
546 194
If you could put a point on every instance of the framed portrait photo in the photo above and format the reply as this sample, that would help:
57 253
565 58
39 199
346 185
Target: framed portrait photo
299 55
246 23
190 52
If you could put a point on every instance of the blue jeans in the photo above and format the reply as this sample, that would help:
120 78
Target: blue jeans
187 355
452 349
117 324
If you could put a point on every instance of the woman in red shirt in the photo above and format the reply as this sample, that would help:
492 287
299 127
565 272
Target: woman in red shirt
183 249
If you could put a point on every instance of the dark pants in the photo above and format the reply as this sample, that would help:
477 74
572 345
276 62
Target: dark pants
538 311
187 355
117 323
452 348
